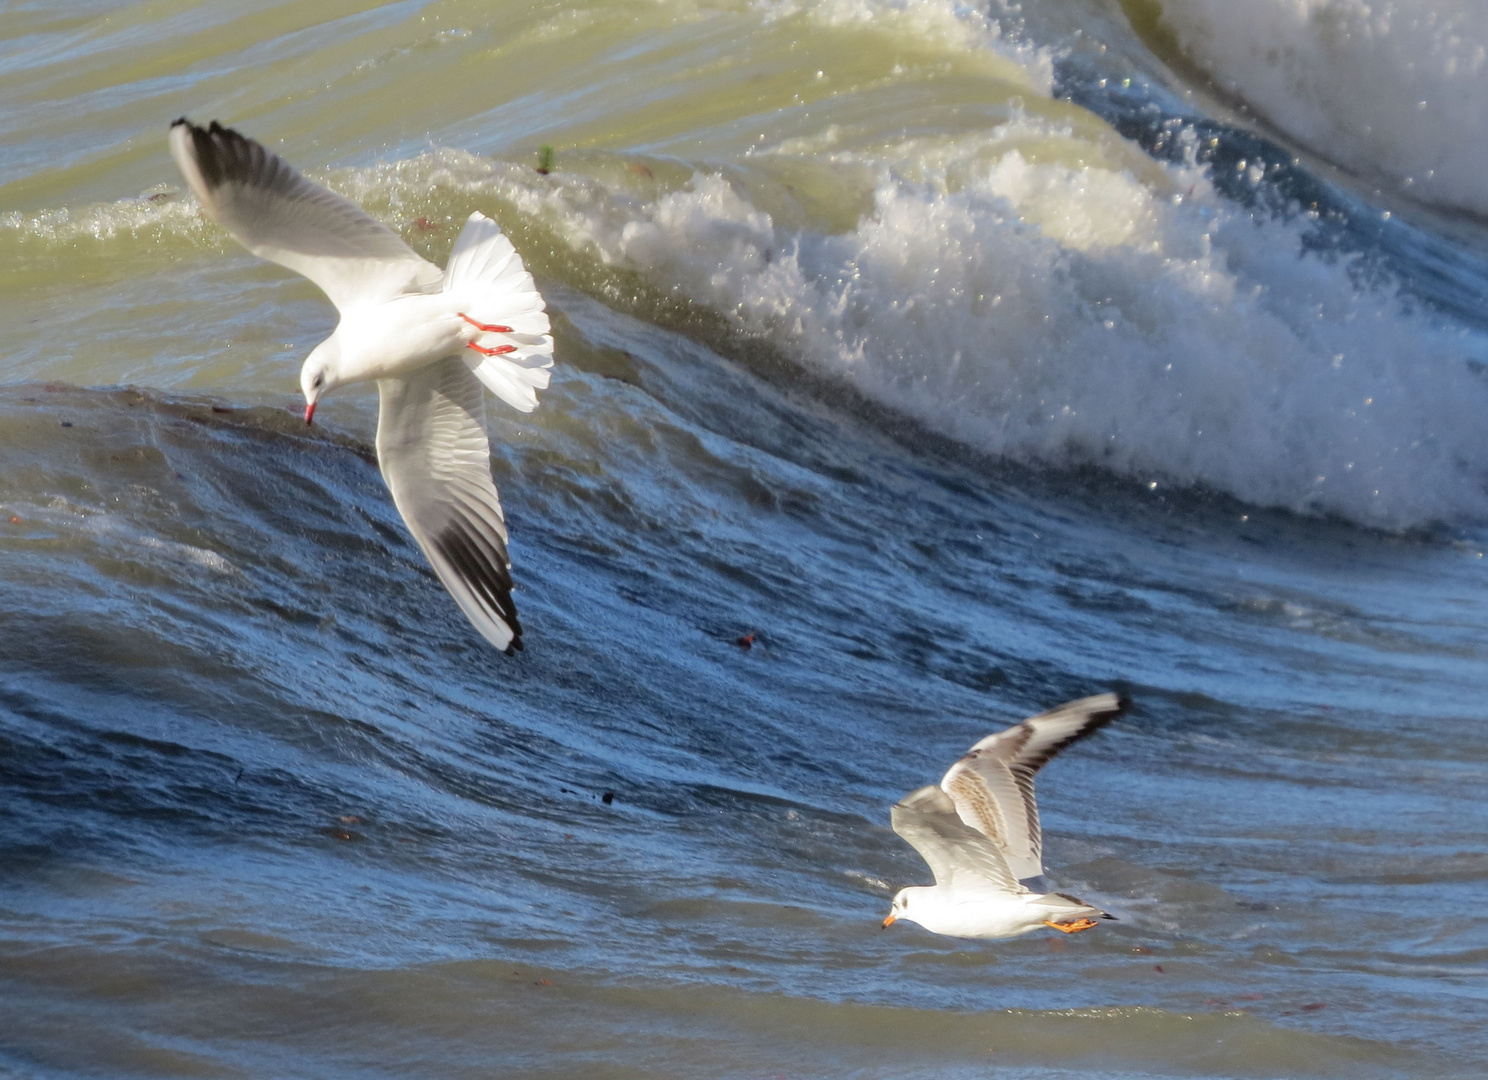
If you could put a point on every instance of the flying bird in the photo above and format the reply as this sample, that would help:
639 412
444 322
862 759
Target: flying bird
979 831
430 338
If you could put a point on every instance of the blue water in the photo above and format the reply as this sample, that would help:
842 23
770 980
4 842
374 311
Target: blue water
272 808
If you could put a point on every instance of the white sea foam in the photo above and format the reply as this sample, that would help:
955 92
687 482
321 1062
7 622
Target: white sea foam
163 210
1047 309
1063 314
950 27
1379 86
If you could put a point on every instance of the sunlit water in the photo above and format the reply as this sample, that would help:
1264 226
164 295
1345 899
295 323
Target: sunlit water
973 360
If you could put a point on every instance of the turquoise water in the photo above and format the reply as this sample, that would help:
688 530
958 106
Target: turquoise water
973 360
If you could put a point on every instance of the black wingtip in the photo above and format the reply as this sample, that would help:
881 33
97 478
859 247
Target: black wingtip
178 121
1108 915
478 557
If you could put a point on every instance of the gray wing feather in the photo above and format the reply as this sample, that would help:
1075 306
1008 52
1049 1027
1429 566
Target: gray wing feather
955 852
278 215
431 445
992 786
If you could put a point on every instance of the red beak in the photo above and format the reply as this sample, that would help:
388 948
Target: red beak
310 412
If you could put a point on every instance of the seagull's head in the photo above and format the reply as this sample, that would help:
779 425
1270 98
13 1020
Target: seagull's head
320 374
899 909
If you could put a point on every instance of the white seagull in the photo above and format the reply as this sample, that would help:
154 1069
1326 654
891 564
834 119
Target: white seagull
979 831
429 337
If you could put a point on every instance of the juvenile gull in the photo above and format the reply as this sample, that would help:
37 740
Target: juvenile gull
429 337
979 831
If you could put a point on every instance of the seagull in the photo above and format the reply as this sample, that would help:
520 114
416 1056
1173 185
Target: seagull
430 338
979 831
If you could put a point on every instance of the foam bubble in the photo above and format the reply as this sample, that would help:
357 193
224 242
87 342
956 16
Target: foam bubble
163 210
1017 291
946 27
1070 314
1378 87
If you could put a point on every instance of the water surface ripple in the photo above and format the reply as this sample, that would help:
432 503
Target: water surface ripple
972 362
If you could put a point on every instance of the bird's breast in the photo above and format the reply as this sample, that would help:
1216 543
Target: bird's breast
983 918
398 336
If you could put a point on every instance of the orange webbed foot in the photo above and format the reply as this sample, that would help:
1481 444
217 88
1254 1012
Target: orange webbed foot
1072 927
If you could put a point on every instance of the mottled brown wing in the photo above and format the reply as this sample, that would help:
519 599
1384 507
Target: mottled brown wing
956 853
992 786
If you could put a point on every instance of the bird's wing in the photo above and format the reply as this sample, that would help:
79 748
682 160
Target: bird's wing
431 445
278 215
958 855
992 786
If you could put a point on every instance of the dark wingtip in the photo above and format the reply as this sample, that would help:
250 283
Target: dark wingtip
479 558
178 121
1108 915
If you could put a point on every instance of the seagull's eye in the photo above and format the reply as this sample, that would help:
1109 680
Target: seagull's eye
319 379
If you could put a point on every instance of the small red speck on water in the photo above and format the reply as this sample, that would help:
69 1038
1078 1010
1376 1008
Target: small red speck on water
1143 949
15 521
425 225
1315 1006
745 642
543 982
1157 968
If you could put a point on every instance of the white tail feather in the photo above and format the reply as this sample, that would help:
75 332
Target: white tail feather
486 275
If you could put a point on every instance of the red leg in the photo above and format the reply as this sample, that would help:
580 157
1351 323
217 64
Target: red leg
489 328
499 350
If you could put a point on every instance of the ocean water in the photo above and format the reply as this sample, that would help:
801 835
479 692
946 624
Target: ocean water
972 358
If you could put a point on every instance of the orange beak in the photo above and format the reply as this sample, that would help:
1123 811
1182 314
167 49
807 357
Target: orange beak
890 920
310 412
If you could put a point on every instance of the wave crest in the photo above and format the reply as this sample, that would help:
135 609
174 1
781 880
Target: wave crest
1067 314
1384 89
